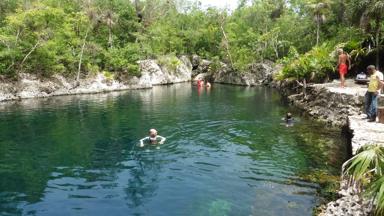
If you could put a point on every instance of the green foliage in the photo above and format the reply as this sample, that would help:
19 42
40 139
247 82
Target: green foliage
318 62
367 168
47 36
171 62
215 66
123 59
108 75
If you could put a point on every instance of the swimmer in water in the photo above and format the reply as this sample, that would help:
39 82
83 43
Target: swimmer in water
208 84
288 120
153 138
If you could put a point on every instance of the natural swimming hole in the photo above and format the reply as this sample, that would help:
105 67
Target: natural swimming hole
226 154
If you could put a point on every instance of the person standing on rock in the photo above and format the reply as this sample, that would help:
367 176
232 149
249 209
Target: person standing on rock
374 86
343 65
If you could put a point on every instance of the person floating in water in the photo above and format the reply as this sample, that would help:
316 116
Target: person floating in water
208 84
153 138
200 83
288 120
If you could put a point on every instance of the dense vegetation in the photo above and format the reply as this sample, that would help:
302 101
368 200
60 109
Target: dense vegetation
74 38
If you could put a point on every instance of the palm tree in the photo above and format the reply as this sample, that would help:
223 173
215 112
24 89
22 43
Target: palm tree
365 170
319 9
370 14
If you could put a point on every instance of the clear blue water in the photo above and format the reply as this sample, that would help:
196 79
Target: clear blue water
226 154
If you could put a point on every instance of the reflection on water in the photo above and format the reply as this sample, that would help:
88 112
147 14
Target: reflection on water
226 154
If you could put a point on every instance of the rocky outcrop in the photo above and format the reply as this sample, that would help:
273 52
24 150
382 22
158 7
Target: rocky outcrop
31 86
257 73
154 74
340 107
327 106
350 204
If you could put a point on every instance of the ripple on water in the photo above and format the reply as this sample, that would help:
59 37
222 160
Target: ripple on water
226 154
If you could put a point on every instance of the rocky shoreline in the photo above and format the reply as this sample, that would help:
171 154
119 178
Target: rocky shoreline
340 108
153 72
324 102
29 86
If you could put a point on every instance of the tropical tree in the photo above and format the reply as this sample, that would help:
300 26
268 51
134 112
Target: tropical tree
319 10
369 14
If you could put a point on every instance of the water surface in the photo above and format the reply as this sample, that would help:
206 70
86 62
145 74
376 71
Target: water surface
226 154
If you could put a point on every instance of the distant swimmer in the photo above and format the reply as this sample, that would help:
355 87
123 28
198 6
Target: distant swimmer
153 138
288 120
208 84
200 83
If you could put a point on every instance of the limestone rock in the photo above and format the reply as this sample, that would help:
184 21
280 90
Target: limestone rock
154 74
31 86
256 74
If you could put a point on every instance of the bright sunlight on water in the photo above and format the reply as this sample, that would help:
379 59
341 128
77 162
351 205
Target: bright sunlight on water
226 154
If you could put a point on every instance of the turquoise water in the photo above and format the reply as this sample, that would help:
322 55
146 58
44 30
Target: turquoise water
226 154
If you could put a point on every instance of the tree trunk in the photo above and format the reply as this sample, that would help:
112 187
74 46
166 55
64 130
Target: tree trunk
227 45
110 39
317 30
81 58
29 53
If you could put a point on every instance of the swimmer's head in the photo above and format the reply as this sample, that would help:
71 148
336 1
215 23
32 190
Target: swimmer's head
340 51
289 115
152 133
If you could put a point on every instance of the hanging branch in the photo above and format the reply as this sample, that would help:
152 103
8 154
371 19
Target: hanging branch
29 53
226 42
81 58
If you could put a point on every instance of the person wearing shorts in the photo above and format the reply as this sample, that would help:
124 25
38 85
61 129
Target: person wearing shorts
343 65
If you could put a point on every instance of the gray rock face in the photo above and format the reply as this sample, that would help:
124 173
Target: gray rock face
195 61
30 86
350 204
154 74
203 66
257 73
327 106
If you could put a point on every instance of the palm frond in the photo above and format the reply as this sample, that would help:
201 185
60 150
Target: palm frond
376 191
368 161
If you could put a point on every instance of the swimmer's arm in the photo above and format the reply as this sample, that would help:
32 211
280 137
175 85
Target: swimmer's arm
142 141
162 139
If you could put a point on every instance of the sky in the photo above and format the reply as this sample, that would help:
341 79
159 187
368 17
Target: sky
231 4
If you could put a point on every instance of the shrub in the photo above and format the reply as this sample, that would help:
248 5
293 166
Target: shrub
319 62
171 62
123 60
